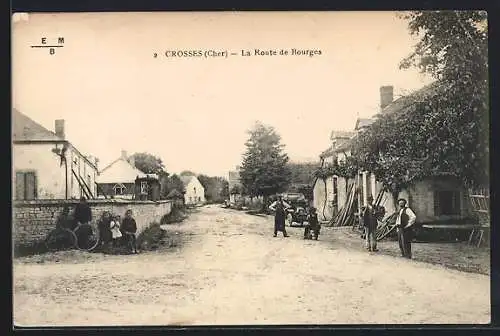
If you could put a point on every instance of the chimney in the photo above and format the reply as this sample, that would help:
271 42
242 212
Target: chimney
131 160
59 128
386 96
124 155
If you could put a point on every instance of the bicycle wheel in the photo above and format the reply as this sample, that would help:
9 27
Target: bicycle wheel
87 236
384 231
60 239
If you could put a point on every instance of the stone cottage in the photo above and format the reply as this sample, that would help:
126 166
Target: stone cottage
121 179
46 165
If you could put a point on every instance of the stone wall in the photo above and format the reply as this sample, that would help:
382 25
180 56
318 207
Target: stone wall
33 220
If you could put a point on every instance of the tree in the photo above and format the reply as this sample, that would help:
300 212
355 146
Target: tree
453 48
169 183
264 170
302 178
148 163
216 188
235 190
443 128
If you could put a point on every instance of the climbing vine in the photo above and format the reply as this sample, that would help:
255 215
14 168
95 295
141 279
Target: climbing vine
346 168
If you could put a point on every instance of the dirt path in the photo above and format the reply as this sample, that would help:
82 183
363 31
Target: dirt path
232 271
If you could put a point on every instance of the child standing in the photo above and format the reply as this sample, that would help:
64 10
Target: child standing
114 225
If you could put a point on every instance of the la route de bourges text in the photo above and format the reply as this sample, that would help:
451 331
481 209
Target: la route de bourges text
213 53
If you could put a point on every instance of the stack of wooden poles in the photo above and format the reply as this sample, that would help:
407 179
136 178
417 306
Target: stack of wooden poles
346 215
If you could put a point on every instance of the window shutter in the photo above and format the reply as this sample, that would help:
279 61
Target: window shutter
19 186
30 185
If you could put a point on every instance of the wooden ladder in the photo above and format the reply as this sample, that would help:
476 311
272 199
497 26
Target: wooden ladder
83 186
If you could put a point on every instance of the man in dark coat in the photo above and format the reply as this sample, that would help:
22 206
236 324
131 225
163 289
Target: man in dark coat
129 229
369 216
83 213
104 228
279 207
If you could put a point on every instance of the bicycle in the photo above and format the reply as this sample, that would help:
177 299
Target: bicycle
83 237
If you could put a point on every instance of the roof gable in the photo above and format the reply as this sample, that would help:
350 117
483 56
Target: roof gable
119 171
341 135
363 122
26 129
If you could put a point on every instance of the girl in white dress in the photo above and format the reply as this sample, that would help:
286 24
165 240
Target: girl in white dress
115 230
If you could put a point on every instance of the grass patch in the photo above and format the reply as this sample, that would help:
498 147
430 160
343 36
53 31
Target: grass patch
176 215
154 238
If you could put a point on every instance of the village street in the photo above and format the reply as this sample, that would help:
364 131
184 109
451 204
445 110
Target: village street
231 270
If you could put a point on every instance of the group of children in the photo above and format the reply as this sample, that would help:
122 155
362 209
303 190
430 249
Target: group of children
113 229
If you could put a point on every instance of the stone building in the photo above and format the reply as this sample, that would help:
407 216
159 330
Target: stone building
46 165
435 199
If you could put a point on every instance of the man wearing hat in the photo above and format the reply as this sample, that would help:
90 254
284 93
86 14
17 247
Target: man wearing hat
370 224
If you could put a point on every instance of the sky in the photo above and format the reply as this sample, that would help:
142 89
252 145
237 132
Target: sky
195 112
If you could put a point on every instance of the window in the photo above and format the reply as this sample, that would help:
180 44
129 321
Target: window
446 203
199 199
26 186
118 188
144 187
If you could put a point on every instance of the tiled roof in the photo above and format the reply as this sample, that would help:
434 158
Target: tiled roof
341 135
363 122
417 96
342 146
326 153
26 129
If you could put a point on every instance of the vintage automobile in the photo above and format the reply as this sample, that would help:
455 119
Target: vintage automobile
297 214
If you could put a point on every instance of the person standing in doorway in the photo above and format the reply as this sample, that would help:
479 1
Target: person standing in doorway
404 223
370 224
279 207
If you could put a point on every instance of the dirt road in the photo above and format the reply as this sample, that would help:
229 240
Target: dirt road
233 271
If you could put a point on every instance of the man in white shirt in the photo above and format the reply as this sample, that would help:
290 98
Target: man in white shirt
404 223
279 207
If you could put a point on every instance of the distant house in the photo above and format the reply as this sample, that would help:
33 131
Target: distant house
195 193
121 179
46 165
433 199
